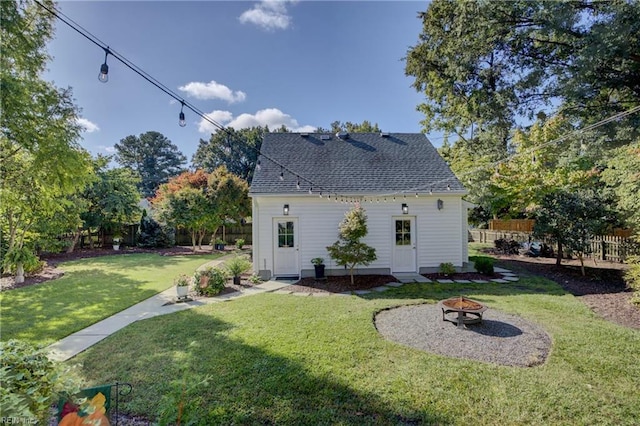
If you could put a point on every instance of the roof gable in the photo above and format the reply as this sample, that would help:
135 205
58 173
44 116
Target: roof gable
357 163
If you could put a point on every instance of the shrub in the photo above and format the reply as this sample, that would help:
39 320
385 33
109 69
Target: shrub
255 279
632 278
24 255
240 243
209 281
31 381
154 235
507 246
237 266
484 265
447 268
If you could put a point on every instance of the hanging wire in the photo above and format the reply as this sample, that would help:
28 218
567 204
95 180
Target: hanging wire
109 51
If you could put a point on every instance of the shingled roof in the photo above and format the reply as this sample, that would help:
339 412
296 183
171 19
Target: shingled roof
360 163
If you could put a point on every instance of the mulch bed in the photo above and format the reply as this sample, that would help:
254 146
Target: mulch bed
461 276
602 288
341 284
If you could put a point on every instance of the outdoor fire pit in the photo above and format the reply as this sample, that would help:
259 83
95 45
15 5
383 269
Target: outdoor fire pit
469 311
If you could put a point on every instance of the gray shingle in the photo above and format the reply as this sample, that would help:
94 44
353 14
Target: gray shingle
362 163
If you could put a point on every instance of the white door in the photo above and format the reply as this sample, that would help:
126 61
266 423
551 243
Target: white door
404 244
286 247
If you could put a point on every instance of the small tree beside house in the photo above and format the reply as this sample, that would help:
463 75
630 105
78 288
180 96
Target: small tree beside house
349 251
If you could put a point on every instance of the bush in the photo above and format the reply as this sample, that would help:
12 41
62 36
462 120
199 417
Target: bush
632 278
484 265
209 281
240 243
153 235
507 246
31 381
447 268
237 266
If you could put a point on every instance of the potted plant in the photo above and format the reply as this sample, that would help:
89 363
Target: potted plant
318 265
240 243
116 241
182 283
219 245
236 266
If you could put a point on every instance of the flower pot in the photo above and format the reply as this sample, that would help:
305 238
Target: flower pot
182 291
319 271
236 280
116 246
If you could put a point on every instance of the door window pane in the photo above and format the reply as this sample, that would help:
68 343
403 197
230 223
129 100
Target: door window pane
285 234
403 232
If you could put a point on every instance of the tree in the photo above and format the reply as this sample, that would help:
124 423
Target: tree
237 150
153 157
570 219
39 122
539 166
201 202
481 65
364 127
111 200
622 175
349 251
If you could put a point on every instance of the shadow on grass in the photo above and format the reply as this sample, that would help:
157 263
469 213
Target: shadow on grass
435 291
53 310
247 384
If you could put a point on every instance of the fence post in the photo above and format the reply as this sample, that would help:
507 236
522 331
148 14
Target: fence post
603 248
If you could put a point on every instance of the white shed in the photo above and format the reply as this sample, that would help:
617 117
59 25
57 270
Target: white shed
305 183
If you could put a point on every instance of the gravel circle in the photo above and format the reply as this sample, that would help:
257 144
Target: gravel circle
500 338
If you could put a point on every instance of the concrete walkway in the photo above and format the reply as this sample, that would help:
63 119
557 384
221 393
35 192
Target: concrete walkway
161 304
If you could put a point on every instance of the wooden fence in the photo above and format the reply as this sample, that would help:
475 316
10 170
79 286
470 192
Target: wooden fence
228 233
603 247
514 225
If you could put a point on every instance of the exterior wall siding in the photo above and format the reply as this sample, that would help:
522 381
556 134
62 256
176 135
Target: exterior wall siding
439 234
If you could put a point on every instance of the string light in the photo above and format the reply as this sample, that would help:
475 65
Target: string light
281 173
181 121
104 68
258 165
298 183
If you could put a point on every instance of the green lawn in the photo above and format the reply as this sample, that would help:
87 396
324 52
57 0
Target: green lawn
284 359
90 290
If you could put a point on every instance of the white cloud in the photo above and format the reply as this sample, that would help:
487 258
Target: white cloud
272 117
87 125
212 90
109 149
269 15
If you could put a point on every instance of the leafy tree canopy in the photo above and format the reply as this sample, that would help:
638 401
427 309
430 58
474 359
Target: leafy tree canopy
154 157
237 150
483 64
364 127
38 123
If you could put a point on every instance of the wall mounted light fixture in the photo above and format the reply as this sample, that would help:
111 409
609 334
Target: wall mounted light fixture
405 208
285 210
440 204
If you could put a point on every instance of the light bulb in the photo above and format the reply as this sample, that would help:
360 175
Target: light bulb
104 73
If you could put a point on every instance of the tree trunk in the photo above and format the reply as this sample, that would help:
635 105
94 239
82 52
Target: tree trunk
581 263
351 273
559 255
90 239
193 240
201 234
74 242
19 273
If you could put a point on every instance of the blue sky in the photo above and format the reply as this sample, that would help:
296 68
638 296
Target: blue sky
299 63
